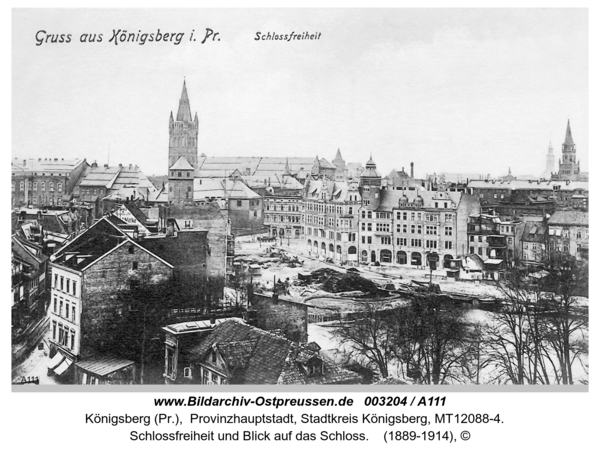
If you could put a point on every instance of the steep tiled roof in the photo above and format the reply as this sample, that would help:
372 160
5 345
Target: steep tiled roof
262 357
534 231
570 218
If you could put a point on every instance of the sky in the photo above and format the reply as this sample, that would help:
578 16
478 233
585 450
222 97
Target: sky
452 90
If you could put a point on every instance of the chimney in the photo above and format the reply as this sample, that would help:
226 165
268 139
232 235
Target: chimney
130 166
412 170
24 162
106 165
120 166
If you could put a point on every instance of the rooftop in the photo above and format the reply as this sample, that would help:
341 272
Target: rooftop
262 357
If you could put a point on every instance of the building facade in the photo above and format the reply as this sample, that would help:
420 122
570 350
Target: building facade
568 232
331 218
87 274
44 182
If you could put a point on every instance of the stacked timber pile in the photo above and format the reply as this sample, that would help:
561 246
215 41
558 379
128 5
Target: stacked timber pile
334 281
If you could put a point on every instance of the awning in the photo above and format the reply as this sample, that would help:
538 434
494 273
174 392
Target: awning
62 368
493 261
54 362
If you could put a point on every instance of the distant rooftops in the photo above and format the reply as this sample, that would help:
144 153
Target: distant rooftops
530 184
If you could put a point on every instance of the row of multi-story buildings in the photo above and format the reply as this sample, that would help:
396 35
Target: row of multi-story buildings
86 237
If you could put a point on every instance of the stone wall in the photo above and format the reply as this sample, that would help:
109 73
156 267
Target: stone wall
281 314
102 284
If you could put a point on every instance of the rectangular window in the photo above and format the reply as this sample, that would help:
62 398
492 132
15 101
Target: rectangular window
386 240
74 288
60 310
62 282
448 230
54 330
72 340
55 302
134 265
369 240
68 285
404 216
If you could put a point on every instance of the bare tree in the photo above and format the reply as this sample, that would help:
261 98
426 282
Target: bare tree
533 338
433 340
370 334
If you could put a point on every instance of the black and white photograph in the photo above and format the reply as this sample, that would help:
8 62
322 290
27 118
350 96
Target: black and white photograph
355 197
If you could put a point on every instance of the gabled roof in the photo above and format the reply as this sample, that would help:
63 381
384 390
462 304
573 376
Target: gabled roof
262 357
182 164
93 244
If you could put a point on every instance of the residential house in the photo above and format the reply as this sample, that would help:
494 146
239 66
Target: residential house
87 276
237 353
568 232
533 241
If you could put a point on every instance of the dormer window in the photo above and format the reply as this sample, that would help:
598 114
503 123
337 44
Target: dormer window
187 372
315 367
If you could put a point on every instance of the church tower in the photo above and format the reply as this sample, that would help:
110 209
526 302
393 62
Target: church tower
370 186
340 166
549 163
568 166
183 151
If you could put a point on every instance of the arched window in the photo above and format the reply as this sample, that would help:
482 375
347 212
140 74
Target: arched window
401 257
447 259
385 256
416 259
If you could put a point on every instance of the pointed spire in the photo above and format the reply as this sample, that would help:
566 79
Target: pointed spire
569 137
171 117
184 113
338 155
509 170
286 170
371 162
